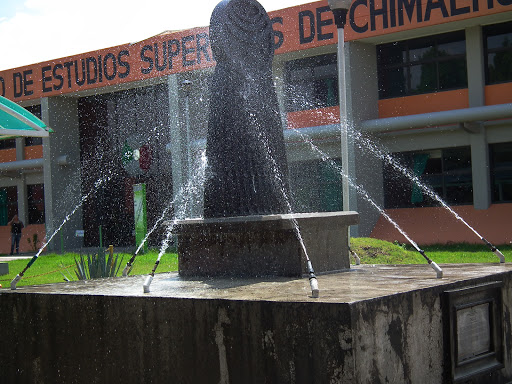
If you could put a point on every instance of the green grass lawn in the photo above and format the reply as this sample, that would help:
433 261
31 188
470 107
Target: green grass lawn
49 268
373 251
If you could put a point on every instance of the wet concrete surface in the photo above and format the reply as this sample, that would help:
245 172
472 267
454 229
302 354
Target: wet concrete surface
363 282
371 324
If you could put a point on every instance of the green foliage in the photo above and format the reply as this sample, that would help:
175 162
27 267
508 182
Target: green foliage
97 265
375 251
49 267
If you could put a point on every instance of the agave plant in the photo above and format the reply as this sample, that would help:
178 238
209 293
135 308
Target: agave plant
97 265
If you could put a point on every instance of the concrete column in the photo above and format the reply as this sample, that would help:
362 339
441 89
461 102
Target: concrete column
20 148
478 136
279 73
480 169
188 122
62 183
21 184
22 200
176 145
362 104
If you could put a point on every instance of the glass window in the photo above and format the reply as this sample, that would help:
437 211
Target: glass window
8 204
35 198
311 83
498 47
501 172
425 65
7 143
36 111
315 186
30 141
446 171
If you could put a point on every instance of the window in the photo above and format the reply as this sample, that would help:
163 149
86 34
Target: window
446 171
30 141
8 204
35 198
7 143
36 111
498 48
425 65
501 172
311 83
316 186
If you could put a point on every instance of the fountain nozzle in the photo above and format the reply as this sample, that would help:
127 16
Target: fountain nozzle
126 269
313 282
499 254
15 281
315 292
494 250
434 266
438 269
147 283
356 257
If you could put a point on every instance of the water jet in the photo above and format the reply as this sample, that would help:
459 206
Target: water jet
370 324
19 276
248 227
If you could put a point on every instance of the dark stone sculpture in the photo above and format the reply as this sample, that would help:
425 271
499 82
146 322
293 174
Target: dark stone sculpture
247 169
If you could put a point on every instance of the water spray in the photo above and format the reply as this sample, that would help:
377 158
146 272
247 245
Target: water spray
313 282
366 196
181 212
66 219
415 179
163 248
184 189
130 262
435 267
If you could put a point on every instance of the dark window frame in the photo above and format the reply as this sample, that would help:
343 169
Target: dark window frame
489 32
11 203
498 173
7 144
36 207
439 174
36 111
404 67
324 86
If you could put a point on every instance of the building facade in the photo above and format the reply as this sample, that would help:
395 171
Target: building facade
428 82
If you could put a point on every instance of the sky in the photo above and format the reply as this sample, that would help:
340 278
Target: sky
32 31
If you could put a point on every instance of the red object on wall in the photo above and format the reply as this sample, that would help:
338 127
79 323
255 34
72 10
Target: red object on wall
145 157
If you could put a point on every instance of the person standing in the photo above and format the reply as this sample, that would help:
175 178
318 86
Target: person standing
16 227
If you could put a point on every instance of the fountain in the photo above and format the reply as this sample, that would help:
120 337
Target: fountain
238 311
248 227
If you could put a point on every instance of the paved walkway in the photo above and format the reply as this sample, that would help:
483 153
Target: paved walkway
11 258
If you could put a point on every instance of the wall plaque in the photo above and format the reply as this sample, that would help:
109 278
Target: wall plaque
473 331
472 320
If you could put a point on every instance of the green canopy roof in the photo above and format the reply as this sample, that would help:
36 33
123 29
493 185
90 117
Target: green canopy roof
17 121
